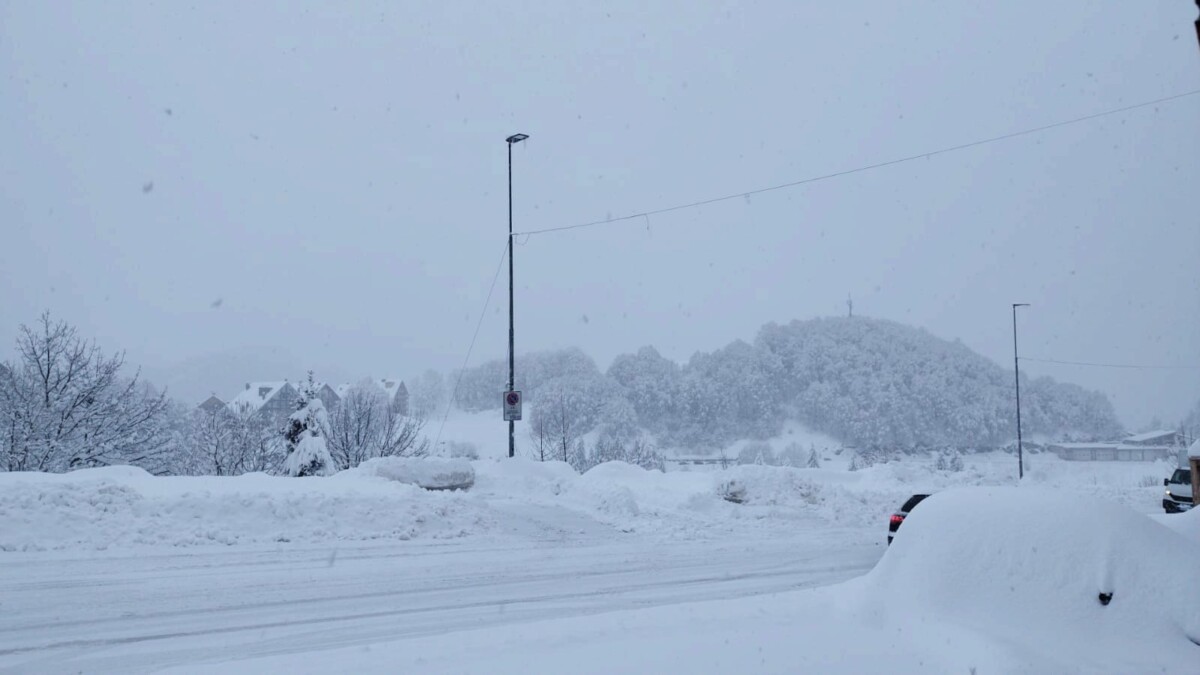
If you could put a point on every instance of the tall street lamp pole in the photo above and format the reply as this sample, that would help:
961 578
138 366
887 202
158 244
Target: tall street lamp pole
1198 22
512 380
1017 376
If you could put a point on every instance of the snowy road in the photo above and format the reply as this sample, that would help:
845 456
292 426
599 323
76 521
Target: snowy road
136 613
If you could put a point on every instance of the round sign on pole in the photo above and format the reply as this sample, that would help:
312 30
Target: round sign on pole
512 406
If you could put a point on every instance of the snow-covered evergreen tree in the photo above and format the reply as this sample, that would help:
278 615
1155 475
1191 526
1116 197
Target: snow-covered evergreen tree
813 461
304 435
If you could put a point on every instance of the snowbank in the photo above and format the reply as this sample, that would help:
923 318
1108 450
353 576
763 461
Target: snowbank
95 509
1186 523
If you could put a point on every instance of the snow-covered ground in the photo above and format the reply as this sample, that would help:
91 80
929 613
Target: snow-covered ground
618 570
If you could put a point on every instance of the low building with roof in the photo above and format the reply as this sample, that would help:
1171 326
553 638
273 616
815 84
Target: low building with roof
1156 438
1112 452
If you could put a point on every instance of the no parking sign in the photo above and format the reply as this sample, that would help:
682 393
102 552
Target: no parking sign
512 406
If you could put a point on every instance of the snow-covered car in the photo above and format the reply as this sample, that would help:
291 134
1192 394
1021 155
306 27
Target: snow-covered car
1178 497
898 517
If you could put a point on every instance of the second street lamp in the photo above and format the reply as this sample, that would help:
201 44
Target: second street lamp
509 398
1017 376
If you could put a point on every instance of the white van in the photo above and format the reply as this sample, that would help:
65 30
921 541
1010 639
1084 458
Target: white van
1179 491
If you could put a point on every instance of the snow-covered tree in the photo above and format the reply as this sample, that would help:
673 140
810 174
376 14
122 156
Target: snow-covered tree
364 425
305 435
566 408
652 384
814 462
64 404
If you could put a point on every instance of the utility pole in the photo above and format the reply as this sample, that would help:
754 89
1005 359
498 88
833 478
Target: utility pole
512 380
1017 376
850 305
1198 23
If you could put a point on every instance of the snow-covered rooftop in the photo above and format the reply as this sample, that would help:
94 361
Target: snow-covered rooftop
256 394
1149 435
389 387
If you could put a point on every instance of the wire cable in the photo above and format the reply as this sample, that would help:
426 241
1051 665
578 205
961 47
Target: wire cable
482 314
1114 365
878 165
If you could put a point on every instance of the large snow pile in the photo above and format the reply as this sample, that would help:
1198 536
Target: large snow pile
1186 523
124 506
1026 568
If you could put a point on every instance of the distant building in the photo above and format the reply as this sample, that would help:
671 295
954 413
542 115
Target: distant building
1158 438
328 395
394 390
271 401
1112 452
212 404
397 394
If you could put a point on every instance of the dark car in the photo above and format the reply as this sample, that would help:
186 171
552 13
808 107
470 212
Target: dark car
898 517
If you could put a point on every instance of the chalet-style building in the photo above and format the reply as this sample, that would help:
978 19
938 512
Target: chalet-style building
212 404
272 401
328 395
394 390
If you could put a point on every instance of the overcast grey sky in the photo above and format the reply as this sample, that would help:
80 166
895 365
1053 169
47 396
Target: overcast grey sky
230 190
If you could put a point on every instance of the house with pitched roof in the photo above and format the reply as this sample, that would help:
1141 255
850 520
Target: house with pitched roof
272 401
212 404
394 390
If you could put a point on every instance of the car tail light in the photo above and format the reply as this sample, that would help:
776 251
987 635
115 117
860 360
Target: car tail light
897 519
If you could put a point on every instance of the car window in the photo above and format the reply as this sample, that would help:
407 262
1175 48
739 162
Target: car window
1182 476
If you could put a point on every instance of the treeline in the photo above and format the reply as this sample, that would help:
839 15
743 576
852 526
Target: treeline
65 404
870 383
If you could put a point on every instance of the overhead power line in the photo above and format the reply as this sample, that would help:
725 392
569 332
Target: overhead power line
860 169
1116 365
482 314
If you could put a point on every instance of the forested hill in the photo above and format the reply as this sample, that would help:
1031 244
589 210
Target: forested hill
879 382
868 382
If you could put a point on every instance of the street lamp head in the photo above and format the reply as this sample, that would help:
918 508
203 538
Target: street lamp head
1020 304
516 138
